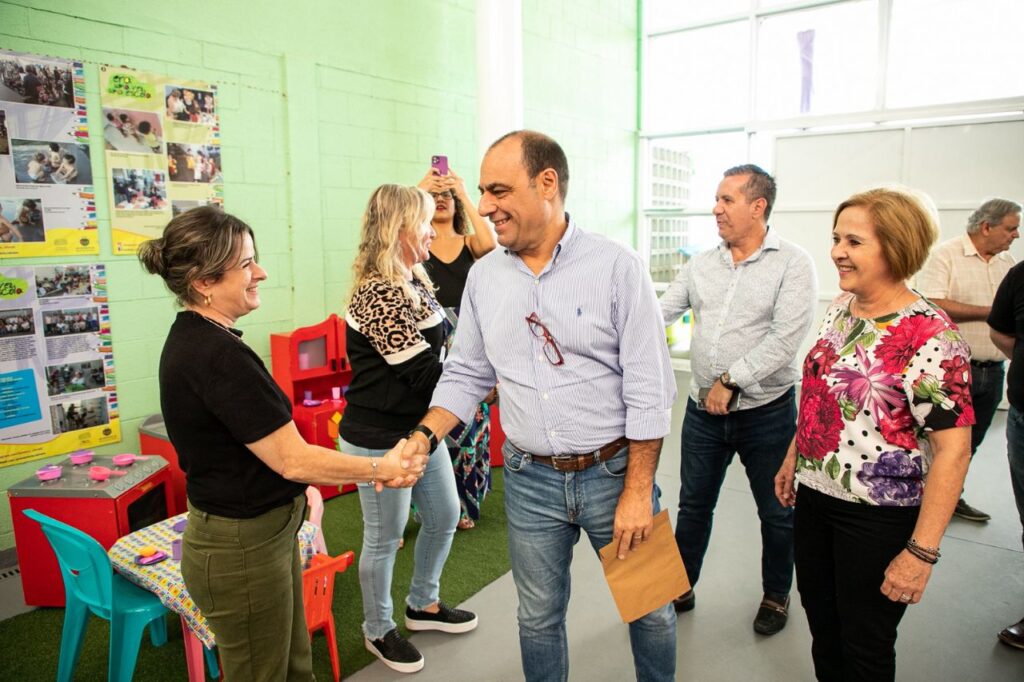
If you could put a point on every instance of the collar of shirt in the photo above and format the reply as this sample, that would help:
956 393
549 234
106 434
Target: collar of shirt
565 242
769 243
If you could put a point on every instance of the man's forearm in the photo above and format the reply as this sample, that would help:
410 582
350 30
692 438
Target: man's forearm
962 312
643 463
440 421
1004 342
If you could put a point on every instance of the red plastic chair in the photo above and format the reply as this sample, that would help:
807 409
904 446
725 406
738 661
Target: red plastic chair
315 502
318 597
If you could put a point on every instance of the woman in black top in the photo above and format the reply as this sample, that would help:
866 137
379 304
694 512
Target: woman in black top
246 467
452 253
395 339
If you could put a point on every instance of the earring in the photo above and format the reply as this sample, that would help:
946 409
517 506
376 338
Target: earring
208 299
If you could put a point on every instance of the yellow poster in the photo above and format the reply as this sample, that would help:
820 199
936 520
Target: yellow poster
47 204
57 388
162 137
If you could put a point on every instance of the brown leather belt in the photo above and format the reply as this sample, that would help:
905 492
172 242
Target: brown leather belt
581 462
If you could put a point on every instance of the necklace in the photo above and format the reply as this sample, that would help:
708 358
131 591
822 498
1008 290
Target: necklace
886 309
228 330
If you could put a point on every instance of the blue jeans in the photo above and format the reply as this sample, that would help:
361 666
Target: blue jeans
546 510
761 437
384 517
1015 453
986 394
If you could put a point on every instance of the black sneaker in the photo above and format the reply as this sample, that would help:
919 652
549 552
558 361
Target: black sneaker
966 511
396 652
445 620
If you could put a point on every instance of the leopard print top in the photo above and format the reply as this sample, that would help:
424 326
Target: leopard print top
380 311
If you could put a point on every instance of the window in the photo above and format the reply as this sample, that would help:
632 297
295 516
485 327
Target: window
722 79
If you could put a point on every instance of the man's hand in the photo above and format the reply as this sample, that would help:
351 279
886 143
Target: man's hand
718 399
634 521
785 491
399 469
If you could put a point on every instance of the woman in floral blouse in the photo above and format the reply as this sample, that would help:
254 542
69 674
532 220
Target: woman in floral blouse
884 404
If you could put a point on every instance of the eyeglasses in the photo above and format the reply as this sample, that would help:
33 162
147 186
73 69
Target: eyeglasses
441 196
551 351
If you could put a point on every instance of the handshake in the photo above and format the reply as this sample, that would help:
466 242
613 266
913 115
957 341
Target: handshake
404 464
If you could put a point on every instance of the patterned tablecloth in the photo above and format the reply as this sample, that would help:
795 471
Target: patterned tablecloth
164 579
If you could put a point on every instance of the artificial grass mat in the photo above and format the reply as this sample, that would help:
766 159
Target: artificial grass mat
30 642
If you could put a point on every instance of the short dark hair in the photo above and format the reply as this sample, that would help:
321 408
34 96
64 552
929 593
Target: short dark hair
540 152
760 185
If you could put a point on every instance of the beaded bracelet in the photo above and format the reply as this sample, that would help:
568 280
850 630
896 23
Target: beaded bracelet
927 558
373 467
933 551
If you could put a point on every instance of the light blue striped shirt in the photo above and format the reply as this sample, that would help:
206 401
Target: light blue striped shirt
752 316
597 300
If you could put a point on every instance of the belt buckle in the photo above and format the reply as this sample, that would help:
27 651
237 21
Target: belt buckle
558 460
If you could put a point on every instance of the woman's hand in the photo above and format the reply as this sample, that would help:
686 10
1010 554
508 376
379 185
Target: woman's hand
905 578
784 488
433 183
397 471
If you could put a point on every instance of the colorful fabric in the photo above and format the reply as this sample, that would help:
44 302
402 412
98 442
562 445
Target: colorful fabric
164 579
871 392
471 460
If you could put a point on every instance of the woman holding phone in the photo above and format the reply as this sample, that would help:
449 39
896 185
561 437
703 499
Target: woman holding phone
452 254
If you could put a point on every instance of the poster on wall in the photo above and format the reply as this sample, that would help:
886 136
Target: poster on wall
47 204
57 388
162 140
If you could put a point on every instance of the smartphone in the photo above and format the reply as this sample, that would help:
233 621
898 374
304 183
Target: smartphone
702 397
440 164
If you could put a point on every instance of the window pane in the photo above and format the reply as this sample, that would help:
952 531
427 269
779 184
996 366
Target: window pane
666 14
698 78
820 61
685 171
954 50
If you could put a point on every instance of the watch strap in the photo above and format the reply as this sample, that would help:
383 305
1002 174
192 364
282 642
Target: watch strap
425 430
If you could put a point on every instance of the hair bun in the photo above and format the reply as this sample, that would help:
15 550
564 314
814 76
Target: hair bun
151 255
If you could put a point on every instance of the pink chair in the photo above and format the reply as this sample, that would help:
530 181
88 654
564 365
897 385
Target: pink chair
315 501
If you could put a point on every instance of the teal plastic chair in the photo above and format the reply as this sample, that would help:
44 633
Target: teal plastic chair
91 584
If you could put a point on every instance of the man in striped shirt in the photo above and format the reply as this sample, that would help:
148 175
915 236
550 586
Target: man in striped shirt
753 297
566 323
961 277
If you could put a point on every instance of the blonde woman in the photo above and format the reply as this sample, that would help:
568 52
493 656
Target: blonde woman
395 338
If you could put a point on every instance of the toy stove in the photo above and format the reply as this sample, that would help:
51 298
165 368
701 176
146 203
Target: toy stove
135 495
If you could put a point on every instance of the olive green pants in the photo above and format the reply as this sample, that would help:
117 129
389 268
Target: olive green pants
245 576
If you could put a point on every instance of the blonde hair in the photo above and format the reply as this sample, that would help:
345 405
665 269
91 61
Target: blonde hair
392 211
905 226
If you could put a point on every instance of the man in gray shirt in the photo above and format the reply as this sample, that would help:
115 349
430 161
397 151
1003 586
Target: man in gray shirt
753 297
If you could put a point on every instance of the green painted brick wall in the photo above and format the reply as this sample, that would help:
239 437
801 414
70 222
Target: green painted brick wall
320 102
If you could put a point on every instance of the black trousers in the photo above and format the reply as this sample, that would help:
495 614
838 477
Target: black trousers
842 550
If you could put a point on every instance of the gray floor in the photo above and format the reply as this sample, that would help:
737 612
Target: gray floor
976 590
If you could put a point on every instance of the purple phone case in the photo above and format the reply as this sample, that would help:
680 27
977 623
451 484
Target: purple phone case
440 163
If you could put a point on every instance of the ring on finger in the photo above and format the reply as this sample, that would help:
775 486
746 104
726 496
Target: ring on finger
905 598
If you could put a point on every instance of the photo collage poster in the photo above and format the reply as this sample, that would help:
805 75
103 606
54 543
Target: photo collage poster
47 204
162 140
57 385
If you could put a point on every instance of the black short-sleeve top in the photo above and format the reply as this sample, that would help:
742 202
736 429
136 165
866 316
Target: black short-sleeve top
216 395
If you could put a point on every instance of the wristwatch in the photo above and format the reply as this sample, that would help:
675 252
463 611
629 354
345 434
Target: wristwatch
421 428
728 382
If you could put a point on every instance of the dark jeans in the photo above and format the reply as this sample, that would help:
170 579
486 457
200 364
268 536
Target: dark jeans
760 436
842 551
986 393
1015 453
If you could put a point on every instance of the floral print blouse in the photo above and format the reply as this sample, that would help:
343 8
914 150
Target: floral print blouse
871 391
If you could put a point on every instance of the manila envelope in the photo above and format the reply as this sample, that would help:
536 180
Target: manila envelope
651 575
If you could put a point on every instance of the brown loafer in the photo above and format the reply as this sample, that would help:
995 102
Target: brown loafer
685 602
1013 635
771 615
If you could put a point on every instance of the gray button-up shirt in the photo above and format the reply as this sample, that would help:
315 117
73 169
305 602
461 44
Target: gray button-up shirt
750 316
